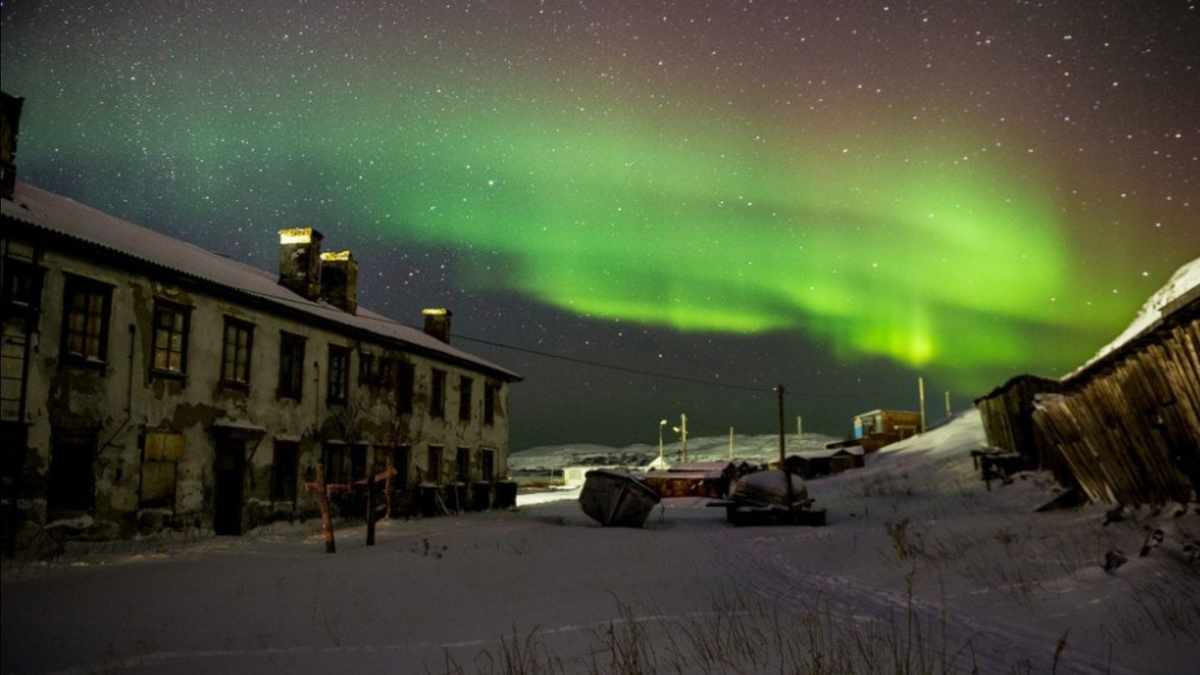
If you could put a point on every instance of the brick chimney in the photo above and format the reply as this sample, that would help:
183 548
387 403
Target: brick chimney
437 323
300 261
10 123
339 281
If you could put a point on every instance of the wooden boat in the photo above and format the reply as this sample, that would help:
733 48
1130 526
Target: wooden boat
616 499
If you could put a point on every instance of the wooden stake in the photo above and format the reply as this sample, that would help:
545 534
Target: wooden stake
371 508
783 467
326 521
921 390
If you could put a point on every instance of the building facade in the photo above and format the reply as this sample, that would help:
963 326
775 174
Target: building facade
150 384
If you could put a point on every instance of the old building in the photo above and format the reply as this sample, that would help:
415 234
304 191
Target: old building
148 383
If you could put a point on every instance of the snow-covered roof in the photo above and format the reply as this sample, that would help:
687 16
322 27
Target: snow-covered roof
1181 289
55 213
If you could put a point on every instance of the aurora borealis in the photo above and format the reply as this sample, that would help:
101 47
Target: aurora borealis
836 196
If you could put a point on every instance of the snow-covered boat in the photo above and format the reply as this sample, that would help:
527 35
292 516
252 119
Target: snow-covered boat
612 498
762 498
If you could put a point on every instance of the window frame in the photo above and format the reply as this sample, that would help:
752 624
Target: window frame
21 285
228 378
291 379
184 312
466 392
91 289
491 391
406 378
434 456
437 393
337 390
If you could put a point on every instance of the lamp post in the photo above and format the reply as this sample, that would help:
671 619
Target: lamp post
661 461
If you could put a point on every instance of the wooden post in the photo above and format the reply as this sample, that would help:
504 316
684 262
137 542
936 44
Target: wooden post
683 434
326 521
787 476
800 432
370 508
387 483
731 444
921 393
949 413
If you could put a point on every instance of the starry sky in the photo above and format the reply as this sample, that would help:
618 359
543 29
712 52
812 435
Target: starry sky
837 196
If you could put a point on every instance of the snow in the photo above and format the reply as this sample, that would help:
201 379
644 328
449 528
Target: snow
920 562
1182 287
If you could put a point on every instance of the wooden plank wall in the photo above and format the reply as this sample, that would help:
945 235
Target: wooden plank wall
1129 433
1007 415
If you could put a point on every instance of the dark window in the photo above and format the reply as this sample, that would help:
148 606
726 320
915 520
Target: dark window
387 373
437 394
22 284
235 356
465 390
339 374
291 366
170 337
358 462
366 369
86 305
404 387
487 465
72 477
284 471
489 402
334 459
464 465
401 458
433 463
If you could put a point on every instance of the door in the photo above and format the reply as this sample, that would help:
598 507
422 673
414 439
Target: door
228 475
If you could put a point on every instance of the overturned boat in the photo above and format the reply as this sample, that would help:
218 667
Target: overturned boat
616 499
770 498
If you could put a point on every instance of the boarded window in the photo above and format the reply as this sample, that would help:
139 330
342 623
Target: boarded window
291 366
437 393
284 471
160 469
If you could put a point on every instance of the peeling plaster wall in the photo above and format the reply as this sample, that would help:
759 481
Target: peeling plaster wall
121 400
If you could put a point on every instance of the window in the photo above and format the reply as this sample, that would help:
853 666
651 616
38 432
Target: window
284 471
161 454
22 285
387 373
405 376
401 457
291 366
465 390
490 391
358 463
464 465
487 465
170 337
437 394
333 456
71 483
339 374
433 462
86 306
366 369
235 356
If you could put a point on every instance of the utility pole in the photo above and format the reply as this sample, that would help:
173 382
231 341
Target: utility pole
949 413
731 444
787 476
800 432
682 431
921 393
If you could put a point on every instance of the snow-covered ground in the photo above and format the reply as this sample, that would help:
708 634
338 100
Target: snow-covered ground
921 569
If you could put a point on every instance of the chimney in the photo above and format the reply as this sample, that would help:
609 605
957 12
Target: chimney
437 323
10 122
339 281
300 261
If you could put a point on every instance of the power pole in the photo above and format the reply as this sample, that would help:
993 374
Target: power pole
731 444
800 432
683 433
949 413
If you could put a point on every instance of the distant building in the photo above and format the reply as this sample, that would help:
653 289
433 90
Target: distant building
148 383
877 428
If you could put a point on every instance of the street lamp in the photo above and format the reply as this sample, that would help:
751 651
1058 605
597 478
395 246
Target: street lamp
661 461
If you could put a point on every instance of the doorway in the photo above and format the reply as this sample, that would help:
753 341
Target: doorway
228 475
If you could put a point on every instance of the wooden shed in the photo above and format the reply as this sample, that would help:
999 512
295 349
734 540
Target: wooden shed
1007 414
877 428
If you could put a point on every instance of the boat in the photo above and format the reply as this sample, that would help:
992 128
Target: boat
616 499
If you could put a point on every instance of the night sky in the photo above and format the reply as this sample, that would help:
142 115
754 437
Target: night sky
836 196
